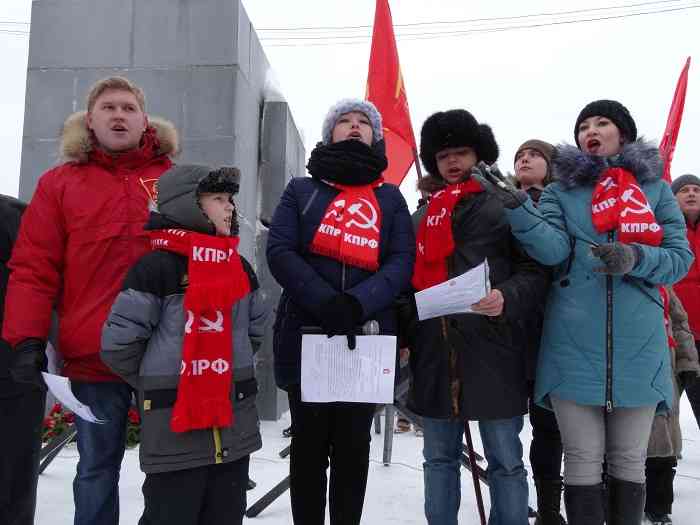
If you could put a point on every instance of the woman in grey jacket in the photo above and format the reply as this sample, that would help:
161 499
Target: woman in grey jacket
183 332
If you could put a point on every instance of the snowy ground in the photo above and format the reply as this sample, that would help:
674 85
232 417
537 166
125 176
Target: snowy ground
394 493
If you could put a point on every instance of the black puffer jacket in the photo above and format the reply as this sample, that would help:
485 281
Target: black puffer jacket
11 211
485 354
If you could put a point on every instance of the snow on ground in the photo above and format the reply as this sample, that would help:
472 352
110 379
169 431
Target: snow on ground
394 493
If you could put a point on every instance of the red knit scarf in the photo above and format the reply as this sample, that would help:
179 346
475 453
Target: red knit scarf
434 239
216 281
619 203
349 231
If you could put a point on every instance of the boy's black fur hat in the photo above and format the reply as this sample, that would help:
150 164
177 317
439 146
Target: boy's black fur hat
453 129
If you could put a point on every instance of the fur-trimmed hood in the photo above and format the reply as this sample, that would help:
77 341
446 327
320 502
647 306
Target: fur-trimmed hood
76 141
573 168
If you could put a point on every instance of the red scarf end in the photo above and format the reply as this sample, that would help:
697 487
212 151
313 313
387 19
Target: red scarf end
209 413
324 251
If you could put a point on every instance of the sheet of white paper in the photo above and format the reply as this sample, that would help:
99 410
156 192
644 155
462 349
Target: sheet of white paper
332 372
455 295
60 387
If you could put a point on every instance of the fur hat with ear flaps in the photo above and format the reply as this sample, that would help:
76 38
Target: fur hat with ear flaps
453 129
179 190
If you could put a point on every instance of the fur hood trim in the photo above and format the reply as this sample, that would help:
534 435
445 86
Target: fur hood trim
76 142
573 168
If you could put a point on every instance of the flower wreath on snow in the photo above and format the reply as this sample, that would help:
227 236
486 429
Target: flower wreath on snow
59 420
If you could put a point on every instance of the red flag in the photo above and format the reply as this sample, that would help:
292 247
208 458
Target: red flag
673 124
385 89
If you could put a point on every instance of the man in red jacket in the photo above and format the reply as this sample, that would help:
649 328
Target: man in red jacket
81 232
686 188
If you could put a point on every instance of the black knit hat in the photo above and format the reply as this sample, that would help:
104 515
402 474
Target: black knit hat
179 189
453 129
613 110
684 180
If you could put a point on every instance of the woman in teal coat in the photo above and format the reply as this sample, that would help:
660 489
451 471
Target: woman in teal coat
613 231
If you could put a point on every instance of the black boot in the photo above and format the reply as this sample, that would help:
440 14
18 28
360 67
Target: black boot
549 502
584 504
625 502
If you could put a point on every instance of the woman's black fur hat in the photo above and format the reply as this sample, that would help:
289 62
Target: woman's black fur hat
613 110
453 129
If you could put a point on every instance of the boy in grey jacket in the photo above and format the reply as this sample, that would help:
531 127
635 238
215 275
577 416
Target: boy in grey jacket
183 332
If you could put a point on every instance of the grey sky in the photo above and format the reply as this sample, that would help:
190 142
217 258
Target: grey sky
525 83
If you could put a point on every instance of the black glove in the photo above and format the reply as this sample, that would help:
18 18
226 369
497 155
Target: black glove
619 258
493 181
341 316
688 378
28 360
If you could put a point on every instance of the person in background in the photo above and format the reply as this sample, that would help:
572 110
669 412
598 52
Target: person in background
532 174
665 443
532 167
21 405
686 188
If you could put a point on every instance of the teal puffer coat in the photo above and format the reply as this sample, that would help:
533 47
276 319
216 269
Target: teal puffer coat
586 355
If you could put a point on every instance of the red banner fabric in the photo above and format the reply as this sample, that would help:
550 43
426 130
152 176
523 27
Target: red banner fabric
385 89
673 124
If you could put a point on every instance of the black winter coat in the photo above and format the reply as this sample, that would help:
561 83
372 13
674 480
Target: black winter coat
311 280
487 353
531 326
11 211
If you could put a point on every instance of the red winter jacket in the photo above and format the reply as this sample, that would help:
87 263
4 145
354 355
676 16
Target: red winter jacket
81 232
688 290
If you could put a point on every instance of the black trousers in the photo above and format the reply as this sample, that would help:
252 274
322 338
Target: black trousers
22 414
691 384
546 448
660 473
198 496
322 431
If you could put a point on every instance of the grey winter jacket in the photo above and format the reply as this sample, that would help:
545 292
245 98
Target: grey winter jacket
142 342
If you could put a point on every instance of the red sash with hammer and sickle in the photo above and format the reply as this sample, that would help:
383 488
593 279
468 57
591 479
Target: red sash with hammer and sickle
434 239
619 203
349 230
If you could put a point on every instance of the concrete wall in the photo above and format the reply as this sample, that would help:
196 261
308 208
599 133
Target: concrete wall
201 66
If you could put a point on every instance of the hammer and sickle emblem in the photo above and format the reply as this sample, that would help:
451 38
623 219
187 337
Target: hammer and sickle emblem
369 222
212 326
207 324
190 320
608 183
338 205
627 197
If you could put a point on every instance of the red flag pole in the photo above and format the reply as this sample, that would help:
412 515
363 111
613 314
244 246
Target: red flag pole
419 173
673 123
416 160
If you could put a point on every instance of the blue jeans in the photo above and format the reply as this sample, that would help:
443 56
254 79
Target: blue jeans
101 448
442 449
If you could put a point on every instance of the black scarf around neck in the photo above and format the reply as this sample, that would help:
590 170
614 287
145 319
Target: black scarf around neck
349 162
